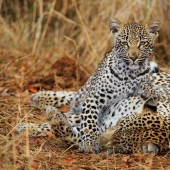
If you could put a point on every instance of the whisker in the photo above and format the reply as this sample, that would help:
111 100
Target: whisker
156 54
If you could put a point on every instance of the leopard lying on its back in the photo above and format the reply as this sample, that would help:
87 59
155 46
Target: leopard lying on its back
145 132
123 73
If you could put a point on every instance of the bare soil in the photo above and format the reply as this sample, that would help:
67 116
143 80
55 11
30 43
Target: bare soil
19 151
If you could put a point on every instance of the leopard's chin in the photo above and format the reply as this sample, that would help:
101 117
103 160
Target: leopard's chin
134 66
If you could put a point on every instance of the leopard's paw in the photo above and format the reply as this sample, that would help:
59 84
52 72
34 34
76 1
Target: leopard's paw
150 148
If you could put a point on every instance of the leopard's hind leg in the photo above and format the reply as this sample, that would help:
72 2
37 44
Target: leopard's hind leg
67 128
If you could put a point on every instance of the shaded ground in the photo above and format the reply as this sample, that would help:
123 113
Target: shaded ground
65 73
18 151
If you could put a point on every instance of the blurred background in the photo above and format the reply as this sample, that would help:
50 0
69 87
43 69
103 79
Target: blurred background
34 34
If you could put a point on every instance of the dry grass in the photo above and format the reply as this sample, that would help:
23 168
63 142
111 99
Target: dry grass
33 35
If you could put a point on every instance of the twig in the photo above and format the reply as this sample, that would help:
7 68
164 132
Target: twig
46 26
77 59
85 31
18 59
65 18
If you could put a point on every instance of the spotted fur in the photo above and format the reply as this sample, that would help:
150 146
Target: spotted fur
148 132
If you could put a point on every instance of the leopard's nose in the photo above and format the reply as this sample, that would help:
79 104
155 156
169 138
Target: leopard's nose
133 58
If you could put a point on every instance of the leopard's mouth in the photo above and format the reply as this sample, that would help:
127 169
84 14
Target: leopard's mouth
134 66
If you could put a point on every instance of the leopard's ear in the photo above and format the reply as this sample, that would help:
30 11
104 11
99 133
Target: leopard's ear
153 27
115 25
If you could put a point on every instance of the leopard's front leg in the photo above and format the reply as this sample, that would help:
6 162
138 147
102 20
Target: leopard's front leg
89 131
147 91
44 99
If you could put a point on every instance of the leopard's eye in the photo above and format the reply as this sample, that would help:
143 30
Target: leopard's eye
125 44
143 44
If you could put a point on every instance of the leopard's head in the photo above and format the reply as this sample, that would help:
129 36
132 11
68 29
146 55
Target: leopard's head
134 42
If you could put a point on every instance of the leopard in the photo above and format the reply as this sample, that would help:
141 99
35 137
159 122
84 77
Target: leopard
123 73
142 129
145 132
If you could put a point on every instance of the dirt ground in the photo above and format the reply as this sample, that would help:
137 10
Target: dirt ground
18 151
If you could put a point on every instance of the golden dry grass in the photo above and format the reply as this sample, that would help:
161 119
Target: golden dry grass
33 35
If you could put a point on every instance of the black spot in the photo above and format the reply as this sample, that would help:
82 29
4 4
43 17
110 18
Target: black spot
113 114
93 107
164 134
85 117
95 117
88 106
90 116
102 95
84 104
126 78
137 102
94 130
102 101
87 111
111 92
115 96
77 121
149 122
111 80
153 125
87 100
109 97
